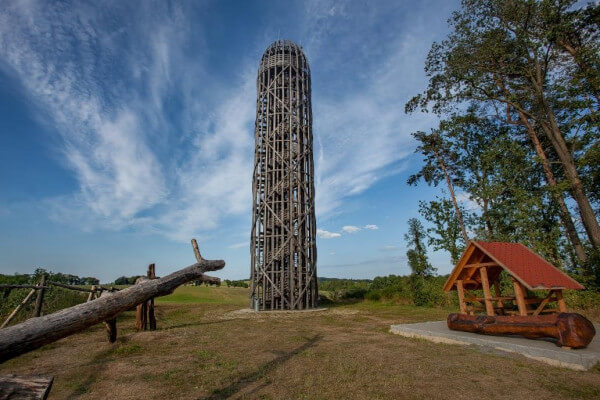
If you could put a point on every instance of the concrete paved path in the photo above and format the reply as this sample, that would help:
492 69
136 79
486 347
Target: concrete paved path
541 350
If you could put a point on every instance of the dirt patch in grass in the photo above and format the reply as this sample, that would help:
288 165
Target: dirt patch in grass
215 351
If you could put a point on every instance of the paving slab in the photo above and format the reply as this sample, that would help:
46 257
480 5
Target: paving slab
541 350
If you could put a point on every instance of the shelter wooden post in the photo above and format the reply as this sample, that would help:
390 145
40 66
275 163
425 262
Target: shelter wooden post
498 294
461 296
520 297
562 307
489 305
39 301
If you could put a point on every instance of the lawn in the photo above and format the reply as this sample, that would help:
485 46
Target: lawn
208 346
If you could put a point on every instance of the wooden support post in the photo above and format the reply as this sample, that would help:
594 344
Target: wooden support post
489 305
562 306
151 317
111 329
140 316
111 323
18 308
498 293
39 301
461 296
520 296
91 295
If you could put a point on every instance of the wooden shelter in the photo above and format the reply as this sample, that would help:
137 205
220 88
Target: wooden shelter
480 266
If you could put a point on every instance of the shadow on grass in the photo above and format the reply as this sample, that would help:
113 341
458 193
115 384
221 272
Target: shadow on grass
196 324
98 363
264 369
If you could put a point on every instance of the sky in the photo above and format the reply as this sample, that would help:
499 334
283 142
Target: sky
126 129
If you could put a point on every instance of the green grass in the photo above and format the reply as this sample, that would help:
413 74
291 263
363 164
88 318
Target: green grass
207 294
205 348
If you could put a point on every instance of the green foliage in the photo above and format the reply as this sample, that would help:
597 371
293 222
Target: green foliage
238 283
339 289
417 252
392 288
127 280
525 75
445 232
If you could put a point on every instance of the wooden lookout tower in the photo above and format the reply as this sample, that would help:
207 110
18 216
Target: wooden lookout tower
480 266
283 245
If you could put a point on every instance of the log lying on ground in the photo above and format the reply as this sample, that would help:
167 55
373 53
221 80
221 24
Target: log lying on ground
36 332
569 329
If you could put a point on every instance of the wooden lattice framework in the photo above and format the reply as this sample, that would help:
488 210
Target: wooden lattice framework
480 267
283 248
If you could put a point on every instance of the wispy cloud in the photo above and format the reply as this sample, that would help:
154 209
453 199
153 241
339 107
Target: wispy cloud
239 245
350 229
105 92
323 234
103 142
140 162
361 131
388 248
371 227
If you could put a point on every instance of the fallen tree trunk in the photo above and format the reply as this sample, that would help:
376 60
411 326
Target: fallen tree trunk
36 332
569 329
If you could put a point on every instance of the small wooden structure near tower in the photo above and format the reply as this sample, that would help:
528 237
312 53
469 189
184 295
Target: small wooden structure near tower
480 266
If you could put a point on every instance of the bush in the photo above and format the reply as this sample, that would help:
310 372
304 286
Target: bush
373 295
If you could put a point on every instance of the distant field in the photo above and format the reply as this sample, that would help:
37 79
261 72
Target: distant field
209 346
207 294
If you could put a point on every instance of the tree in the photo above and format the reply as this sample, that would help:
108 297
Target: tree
502 54
445 233
417 253
437 166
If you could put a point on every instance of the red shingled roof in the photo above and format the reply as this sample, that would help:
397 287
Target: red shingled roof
527 266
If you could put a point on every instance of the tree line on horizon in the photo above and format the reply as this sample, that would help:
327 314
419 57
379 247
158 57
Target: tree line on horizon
516 84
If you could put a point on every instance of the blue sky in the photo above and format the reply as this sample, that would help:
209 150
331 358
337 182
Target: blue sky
126 129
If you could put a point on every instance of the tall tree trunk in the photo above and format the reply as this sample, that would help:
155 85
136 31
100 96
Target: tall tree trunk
565 215
553 132
588 217
486 218
453 196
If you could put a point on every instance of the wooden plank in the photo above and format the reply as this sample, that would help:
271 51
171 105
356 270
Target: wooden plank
458 268
7 286
25 386
489 306
543 304
479 265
